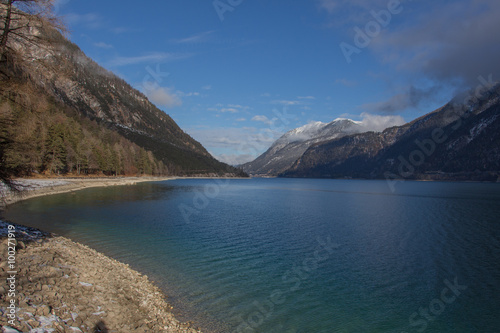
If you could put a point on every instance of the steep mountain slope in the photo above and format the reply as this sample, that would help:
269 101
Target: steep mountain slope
289 147
76 83
460 141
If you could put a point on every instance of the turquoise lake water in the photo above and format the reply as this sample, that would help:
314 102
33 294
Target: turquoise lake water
299 255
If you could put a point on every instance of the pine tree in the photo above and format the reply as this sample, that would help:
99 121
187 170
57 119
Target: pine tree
55 156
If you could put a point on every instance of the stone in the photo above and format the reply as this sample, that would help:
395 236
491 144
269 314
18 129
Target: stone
30 309
45 310
78 321
50 274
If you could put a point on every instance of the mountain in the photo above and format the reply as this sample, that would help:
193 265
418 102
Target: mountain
460 141
289 147
72 84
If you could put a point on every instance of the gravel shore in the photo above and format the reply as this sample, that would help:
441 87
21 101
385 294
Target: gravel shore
63 286
30 188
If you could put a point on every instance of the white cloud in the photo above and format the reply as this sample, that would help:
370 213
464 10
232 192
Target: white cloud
198 38
155 57
377 123
410 97
225 141
230 110
234 159
460 45
355 10
103 45
235 145
238 145
239 107
451 50
263 119
163 97
189 94
286 102
207 87
306 97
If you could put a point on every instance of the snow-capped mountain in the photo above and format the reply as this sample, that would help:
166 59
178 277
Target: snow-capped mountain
289 147
467 147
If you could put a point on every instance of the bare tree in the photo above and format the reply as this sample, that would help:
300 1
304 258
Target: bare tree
26 23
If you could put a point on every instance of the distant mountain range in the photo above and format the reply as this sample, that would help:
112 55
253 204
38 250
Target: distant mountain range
460 141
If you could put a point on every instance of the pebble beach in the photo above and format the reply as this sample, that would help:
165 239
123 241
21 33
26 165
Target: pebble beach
58 285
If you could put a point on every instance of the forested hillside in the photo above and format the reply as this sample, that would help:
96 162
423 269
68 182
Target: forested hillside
61 113
45 138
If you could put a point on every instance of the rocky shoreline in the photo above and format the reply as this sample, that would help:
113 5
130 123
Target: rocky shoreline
63 286
31 188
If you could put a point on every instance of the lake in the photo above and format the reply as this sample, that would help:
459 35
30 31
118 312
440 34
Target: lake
299 255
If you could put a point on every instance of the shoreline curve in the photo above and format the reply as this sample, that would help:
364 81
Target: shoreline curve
65 286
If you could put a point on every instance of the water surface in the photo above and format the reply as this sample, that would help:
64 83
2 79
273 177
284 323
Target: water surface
297 255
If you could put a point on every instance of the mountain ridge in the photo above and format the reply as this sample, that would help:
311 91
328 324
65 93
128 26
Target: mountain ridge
291 145
80 88
458 141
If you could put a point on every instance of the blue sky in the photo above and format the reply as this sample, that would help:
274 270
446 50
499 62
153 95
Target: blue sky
236 74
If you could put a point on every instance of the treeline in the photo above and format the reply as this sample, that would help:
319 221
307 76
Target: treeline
45 139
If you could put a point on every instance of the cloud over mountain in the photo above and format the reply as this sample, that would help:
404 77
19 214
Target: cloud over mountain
450 42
